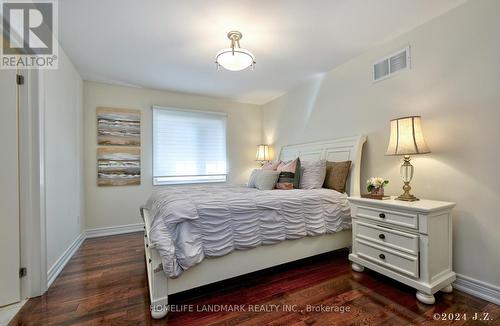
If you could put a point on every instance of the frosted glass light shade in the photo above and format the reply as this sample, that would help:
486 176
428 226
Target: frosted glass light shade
263 153
407 137
236 60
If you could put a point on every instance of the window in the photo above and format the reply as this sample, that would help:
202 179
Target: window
188 146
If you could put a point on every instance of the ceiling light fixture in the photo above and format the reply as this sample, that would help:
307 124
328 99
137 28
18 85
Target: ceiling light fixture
234 58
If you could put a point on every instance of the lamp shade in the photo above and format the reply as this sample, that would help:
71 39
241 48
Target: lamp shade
407 137
263 153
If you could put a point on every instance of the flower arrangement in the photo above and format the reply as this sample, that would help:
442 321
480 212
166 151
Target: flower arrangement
375 185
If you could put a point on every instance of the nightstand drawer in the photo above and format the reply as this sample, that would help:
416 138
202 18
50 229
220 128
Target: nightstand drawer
386 257
394 239
399 218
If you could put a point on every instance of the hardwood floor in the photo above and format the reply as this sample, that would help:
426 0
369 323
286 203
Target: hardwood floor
105 284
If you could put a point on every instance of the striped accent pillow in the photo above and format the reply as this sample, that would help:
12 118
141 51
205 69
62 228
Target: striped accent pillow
289 175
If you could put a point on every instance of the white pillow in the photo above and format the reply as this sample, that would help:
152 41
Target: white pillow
263 179
252 178
266 179
313 175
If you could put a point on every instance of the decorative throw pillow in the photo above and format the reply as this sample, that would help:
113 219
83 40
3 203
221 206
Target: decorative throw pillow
289 175
313 175
271 165
336 175
252 178
266 179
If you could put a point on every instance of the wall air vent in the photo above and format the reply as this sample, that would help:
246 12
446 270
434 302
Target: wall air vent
391 65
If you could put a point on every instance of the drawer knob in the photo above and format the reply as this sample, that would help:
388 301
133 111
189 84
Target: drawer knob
381 256
149 260
147 245
145 235
381 236
381 215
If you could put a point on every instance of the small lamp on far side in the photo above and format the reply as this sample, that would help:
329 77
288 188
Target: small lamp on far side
263 154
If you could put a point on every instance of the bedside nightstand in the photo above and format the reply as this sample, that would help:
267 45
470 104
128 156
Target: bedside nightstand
410 242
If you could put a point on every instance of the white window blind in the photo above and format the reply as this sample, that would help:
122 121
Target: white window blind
188 146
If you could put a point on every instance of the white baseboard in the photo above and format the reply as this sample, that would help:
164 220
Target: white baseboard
58 266
8 312
63 260
113 230
478 288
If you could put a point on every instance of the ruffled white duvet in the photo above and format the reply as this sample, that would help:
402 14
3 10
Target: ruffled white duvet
194 222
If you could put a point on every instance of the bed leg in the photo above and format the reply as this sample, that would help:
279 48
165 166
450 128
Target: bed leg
159 308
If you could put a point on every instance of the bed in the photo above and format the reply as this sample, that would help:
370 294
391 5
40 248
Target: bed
237 250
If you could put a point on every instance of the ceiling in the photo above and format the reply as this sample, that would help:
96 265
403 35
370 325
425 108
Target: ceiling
171 44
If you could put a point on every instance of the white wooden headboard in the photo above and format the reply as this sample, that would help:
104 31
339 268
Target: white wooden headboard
340 149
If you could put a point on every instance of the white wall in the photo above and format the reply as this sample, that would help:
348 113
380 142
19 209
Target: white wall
454 84
62 94
114 206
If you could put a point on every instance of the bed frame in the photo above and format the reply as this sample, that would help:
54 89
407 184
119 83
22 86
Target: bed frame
241 262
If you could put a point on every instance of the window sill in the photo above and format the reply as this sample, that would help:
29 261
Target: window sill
188 182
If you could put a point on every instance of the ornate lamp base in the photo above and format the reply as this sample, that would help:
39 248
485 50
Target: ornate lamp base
407 174
406 196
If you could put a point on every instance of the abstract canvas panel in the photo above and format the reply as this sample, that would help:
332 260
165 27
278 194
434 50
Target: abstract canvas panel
118 166
118 127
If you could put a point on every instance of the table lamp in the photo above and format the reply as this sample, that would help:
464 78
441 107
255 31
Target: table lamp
263 154
407 139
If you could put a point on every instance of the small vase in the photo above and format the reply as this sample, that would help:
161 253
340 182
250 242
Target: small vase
378 191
